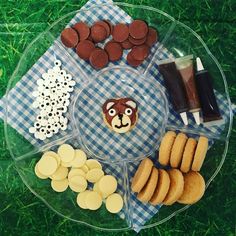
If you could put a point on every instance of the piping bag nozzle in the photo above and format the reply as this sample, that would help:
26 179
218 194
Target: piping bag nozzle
184 117
196 116
199 64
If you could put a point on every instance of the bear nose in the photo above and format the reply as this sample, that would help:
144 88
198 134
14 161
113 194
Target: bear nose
120 116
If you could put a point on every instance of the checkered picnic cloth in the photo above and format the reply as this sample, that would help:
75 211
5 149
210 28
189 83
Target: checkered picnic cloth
87 112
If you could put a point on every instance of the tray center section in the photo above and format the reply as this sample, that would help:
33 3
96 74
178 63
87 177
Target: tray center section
113 84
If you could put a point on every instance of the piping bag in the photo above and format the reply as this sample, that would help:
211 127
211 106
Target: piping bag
185 67
210 110
175 87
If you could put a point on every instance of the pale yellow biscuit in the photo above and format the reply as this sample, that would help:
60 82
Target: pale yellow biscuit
92 164
60 174
66 152
94 175
76 172
176 187
78 183
165 147
66 164
38 174
114 203
141 175
147 191
93 200
81 199
79 159
177 150
47 165
96 189
53 154
85 168
59 185
194 188
200 153
189 151
107 184
162 188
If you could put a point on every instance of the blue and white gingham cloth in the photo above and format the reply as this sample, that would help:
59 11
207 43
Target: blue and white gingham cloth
99 139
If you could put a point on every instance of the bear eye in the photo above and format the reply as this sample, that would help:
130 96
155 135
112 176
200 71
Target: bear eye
128 111
112 112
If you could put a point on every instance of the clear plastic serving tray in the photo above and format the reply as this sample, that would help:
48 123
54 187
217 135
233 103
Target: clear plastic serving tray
179 40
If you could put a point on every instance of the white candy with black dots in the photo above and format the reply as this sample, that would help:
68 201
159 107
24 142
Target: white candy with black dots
52 99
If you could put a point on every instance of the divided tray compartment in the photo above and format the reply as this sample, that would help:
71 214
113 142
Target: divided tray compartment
176 39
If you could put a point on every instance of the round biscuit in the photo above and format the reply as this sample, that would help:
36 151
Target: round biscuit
147 192
200 153
165 147
60 174
176 187
194 188
189 151
177 150
114 203
59 185
162 188
141 175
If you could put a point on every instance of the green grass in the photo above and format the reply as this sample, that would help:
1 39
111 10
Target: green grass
21 213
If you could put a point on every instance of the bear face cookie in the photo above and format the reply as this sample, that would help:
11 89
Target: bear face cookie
120 114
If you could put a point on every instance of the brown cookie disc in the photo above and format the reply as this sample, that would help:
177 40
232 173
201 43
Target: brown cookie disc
127 44
69 37
120 32
84 49
138 29
152 37
140 52
98 33
82 29
137 41
98 58
114 51
105 25
110 25
132 61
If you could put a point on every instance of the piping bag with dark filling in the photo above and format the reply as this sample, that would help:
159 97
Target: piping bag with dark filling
210 109
175 87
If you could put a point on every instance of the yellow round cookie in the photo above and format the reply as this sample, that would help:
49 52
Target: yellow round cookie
76 172
66 152
59 185
94 175
177 150
114 203
200 153
165 147
176 187
60 174
162 188
189 151
146 193
78 183
47 165
92 164
66 164
85 168
141 175
96 189
81 199
38 174
79 159
93 200
53 154
194 188
107 184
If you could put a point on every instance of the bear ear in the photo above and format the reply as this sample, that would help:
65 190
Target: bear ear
107 105
132 104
